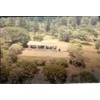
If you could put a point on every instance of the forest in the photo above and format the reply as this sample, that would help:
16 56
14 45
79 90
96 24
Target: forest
80 33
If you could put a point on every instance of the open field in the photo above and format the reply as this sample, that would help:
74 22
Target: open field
92 59
42 53
48 53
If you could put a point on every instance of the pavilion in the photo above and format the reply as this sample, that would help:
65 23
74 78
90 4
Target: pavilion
42 45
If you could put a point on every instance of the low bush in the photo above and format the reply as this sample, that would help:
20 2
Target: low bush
16 48
98 51
40 62
75 41
76 57
79 62
24 71
8 58
75 78
84 77
86 43
37 37
61 62
5 46
55 73
87 77
97 44
17 75
4 74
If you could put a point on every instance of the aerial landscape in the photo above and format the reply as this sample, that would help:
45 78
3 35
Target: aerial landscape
49 49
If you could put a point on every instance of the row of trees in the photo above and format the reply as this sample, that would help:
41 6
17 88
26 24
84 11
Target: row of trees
17 29
48 23
25 70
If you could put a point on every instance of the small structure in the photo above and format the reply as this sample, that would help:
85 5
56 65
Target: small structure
43 45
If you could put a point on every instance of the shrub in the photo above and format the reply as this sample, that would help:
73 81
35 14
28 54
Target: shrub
29 66
65 34
17 75
16 48
79 61
22 72
98 51
82 35
83 77
85 43
75 41
5 46
13 57
61 62
87 77
8 58
37 37
90 31
40 62
76 57
75 78
97 44
4 74
55 73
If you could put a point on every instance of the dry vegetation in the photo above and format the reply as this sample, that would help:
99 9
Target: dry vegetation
92 59
77 61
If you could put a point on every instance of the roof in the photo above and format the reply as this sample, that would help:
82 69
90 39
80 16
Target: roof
46 43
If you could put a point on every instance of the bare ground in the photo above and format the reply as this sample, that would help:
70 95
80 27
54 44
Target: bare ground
43 53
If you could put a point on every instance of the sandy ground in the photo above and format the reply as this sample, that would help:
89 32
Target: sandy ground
43 53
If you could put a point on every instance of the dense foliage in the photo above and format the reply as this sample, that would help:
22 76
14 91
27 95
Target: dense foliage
52 25
76 55
83 77
16 48
21 72
55 73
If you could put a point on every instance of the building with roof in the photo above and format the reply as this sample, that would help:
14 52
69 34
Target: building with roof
42 45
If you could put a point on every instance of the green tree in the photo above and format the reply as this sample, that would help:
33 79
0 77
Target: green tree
2 22
47 25
85 21
24 70
78 20
12 21
17 34
65 34
17 76
38 37
55 73
72 22
94 20
63 21
22 22
36 25
8 58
